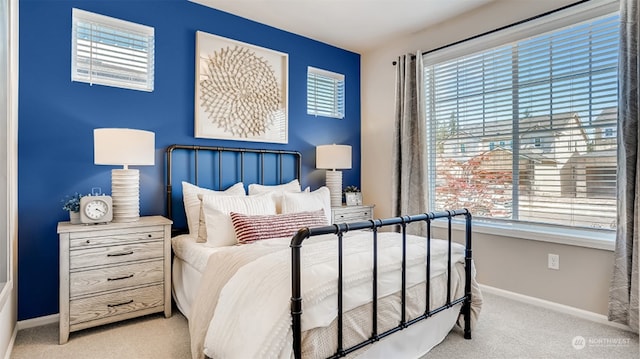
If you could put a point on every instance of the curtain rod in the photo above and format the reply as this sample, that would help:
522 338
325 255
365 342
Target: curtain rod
502 28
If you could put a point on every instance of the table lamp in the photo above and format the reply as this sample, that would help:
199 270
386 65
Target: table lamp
332 158
125 147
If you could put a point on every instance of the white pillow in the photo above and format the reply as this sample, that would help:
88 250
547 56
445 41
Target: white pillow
308 201
192 203
217 215
293 186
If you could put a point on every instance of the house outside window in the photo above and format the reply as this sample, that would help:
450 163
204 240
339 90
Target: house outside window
551 93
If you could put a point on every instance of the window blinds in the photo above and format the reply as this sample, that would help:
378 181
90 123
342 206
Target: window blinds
325 93
112 52
527 131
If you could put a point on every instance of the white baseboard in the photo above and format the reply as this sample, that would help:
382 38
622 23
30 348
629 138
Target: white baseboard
7 354
39 321
576 312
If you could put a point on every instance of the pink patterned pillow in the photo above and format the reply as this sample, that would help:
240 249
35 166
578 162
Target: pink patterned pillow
258 227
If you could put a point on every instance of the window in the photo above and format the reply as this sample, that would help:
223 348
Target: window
552 95
112 52
325 93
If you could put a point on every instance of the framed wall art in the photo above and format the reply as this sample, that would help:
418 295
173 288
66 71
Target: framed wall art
241 91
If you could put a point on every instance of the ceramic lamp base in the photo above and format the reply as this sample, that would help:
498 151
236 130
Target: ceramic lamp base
334 183
125 185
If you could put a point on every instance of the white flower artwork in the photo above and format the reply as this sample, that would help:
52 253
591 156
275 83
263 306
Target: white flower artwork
241 91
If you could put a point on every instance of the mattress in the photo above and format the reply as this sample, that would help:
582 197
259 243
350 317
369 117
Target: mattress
189 261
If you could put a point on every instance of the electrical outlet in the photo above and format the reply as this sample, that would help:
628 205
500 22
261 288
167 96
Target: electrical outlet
554 261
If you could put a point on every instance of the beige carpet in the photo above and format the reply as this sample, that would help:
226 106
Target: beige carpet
506 329
509 329
151 336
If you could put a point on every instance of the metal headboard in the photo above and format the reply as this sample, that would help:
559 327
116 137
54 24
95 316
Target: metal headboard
232 164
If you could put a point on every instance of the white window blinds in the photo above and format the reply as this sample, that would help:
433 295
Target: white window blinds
526 131
325 93
112 52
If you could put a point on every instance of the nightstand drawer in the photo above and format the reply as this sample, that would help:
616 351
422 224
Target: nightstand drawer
113 278
114 237
352 216
347 214
107 305
90 257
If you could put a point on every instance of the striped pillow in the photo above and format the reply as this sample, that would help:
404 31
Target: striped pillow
258 227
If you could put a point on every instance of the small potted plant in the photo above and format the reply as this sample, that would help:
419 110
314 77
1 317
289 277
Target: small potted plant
352 196
72 205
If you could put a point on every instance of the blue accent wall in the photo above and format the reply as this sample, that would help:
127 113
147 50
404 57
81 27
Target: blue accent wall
57 117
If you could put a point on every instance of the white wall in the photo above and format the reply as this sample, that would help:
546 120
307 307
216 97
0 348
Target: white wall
9 163
511 264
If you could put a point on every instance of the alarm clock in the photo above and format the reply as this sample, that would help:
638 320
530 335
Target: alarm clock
96 209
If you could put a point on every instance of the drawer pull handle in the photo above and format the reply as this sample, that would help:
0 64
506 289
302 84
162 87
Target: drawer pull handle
149 235
88 241
120 278
119 254
119 304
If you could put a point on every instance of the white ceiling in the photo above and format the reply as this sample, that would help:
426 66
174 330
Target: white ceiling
355 25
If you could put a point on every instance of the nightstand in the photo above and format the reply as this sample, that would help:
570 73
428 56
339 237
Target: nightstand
115 271
345 214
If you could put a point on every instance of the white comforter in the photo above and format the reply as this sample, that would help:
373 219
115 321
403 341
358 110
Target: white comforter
249 316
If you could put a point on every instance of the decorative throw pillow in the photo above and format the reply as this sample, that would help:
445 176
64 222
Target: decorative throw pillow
218 229
308 201
278 190
192 203
255 228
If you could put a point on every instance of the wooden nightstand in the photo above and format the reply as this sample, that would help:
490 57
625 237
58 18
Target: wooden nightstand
110 272
344 214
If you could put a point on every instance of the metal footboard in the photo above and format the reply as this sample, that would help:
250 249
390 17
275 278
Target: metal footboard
374 226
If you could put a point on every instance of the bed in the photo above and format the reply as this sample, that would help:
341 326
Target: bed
366 289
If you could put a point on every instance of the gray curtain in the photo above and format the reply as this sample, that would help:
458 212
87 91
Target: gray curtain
410 192
623 294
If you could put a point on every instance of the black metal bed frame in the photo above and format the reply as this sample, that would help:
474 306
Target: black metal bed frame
374 225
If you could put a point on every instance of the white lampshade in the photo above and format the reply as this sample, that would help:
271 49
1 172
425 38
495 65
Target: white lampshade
333 157
123 146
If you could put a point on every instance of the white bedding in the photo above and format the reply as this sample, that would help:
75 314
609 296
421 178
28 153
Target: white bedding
195 254
267 319
189 262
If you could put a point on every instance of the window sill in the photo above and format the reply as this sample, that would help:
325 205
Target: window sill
604 240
